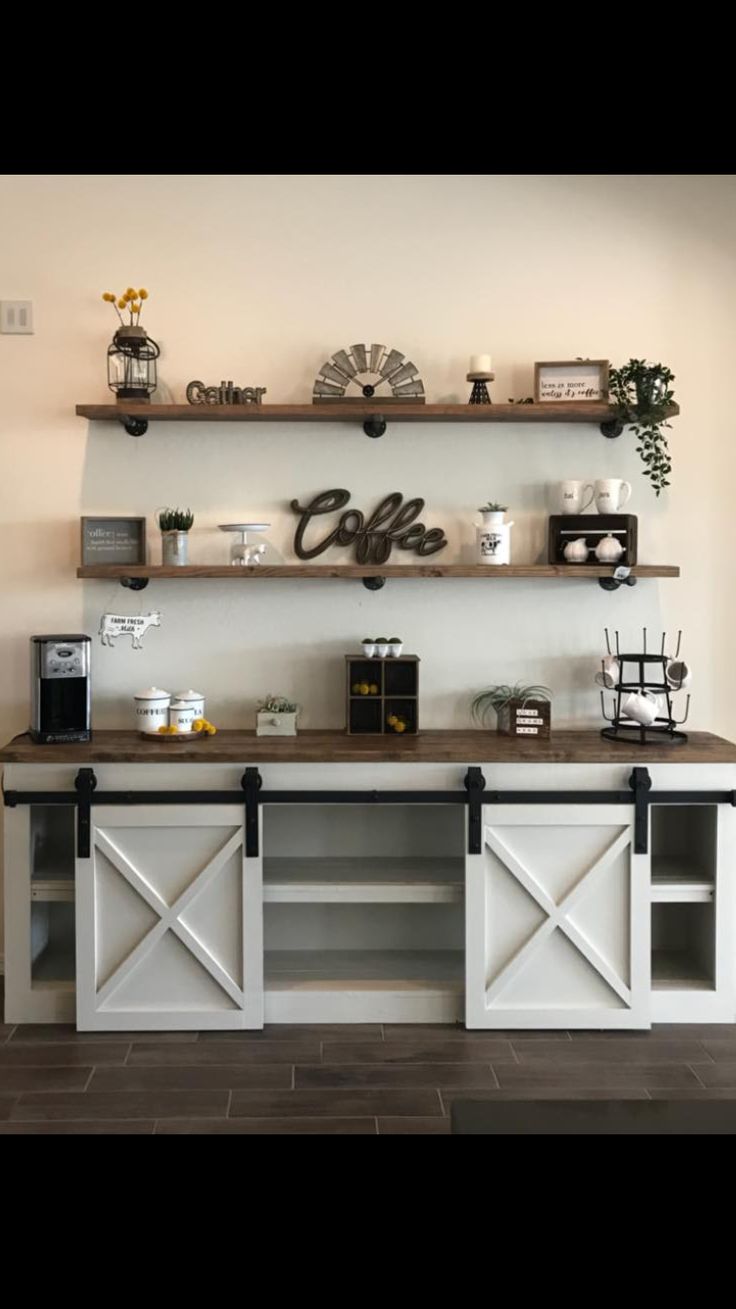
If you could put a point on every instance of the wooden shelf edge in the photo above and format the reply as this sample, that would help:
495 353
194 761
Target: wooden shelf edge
405 571
346 413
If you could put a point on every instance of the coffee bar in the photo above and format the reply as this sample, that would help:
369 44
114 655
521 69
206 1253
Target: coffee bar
514 870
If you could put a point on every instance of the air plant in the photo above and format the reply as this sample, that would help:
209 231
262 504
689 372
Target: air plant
498 697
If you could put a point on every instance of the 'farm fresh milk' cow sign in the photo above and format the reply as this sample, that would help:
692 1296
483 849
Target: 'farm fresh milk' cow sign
136 625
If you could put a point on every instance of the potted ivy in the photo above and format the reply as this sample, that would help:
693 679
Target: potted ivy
175 525
642 396
520 710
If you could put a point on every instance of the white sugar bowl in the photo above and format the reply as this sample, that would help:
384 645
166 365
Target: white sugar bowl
152 709
576 552
192 699
608 550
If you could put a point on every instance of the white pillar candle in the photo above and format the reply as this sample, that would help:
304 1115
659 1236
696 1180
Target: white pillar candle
480 364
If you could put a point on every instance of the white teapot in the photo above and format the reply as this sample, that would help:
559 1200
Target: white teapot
608 550
576 552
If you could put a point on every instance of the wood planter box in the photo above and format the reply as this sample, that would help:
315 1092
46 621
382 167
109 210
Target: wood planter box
273 724
525 718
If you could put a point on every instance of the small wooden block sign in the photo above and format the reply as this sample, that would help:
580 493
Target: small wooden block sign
113 540
525 718
566 381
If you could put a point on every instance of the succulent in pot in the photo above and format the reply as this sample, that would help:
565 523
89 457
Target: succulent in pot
381 646
369 647
174 525
395 646
492 513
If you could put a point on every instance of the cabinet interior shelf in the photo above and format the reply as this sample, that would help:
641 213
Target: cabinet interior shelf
266 572
364 970
319 880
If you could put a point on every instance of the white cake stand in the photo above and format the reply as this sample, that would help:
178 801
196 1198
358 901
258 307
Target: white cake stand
241 552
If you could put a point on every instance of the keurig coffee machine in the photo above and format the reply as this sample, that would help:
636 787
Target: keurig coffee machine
60 689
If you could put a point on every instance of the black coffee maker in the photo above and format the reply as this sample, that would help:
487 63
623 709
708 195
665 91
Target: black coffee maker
61 694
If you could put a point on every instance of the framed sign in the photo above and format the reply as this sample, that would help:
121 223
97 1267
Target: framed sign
113 540
567 380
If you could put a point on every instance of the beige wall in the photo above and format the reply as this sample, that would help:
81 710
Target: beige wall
259 279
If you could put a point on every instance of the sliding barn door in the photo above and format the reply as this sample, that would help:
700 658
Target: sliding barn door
169 921
558 923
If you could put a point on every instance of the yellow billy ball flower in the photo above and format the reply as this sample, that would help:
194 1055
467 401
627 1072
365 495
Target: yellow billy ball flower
107 295
135 307
143 294
121 304
130 293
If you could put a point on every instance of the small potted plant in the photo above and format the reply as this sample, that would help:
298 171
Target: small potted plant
395 646
492 514
642 396
369 647
521 710
381 646
276 716
174 525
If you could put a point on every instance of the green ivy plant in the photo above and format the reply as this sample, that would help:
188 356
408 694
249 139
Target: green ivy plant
497 697
175 520
642 395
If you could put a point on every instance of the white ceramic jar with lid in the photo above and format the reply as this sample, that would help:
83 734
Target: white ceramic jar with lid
193 699
152 709
181 716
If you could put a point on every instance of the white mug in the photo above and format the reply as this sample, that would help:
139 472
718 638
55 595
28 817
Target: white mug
642 706
610 673
678 674
611 494
572 497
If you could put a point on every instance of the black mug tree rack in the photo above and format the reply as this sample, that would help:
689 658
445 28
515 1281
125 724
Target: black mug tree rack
663 729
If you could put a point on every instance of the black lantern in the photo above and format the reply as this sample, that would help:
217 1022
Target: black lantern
131 364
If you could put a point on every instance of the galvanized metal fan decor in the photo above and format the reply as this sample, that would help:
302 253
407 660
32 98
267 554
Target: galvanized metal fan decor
363 372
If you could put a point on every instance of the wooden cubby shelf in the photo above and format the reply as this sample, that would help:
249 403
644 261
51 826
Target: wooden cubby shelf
373 415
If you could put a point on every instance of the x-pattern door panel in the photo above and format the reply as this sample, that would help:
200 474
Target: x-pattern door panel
169 921
558 919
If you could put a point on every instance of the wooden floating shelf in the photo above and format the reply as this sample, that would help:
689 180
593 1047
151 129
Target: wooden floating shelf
265 573
345 413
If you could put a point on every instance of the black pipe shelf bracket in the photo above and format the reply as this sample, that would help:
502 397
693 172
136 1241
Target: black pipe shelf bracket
134 426
621 577
375 425
374 583
134 583
612 427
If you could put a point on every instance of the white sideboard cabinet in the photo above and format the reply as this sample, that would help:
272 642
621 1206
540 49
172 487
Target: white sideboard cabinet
375 890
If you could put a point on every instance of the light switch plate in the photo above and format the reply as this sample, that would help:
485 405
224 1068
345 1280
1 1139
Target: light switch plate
16 316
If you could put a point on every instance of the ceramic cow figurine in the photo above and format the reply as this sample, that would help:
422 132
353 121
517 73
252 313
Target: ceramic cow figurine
136 625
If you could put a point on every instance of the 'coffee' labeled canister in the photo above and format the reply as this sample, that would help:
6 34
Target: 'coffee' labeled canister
152 709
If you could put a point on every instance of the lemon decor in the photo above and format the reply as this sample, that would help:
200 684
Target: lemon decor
131 359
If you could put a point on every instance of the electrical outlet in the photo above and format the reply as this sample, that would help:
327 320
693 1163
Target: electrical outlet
16 316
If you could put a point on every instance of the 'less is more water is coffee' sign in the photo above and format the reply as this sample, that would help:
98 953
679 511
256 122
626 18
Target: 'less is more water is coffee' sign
565 381
113 540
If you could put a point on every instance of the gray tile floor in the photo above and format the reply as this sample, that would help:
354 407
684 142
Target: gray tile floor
354 1080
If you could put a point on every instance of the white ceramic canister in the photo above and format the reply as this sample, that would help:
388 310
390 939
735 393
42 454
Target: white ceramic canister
152 709
181 716
608 550
494 539
191 698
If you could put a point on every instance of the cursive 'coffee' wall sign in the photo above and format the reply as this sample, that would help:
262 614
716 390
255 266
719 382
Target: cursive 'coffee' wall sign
224 394
391 523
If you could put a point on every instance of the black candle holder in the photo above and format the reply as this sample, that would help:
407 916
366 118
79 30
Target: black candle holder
663 730
479 394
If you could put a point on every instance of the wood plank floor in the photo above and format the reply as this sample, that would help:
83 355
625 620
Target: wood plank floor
354 1080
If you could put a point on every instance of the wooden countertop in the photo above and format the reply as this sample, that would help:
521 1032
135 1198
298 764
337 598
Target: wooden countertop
468 747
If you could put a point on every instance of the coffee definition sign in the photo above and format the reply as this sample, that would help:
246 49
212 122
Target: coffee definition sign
113 540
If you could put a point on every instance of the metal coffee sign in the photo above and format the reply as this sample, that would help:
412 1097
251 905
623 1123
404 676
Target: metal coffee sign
224 394
391 523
